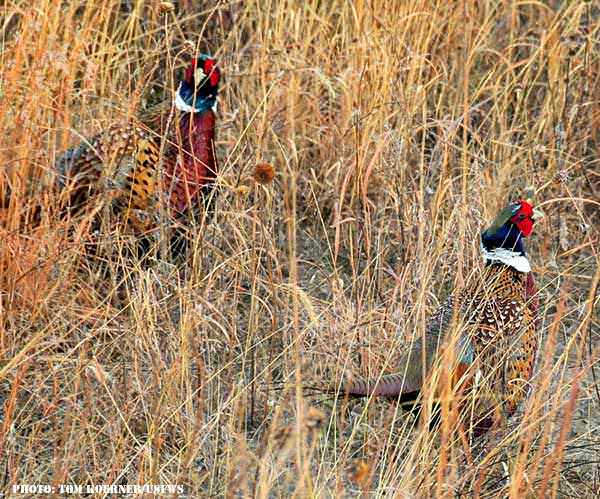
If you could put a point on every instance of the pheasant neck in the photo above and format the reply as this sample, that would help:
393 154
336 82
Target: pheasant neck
514 259
188 102
196 166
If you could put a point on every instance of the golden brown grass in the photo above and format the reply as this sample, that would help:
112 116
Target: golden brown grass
396 130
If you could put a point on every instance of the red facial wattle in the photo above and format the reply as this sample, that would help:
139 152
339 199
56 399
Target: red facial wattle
211 71
523 218
525 226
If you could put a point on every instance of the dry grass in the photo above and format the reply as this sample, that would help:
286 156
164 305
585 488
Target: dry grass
396 130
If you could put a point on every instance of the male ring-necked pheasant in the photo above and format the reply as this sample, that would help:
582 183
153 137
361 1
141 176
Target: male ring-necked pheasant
137 166
493 319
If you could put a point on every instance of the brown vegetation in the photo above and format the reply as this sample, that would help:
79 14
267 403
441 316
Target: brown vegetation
396 130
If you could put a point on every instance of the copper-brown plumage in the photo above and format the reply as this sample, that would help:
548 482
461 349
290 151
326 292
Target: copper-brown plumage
136 166
492 323
196 165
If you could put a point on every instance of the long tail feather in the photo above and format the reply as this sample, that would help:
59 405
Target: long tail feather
390 385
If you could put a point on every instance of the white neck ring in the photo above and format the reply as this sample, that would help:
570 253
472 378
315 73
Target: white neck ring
511 258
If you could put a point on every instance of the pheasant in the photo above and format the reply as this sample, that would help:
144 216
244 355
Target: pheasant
126 163
495 316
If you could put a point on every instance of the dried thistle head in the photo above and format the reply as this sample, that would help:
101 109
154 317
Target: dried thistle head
165 7
264 173
360 473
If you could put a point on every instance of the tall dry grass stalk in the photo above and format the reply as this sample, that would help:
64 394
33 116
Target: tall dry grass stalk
397 129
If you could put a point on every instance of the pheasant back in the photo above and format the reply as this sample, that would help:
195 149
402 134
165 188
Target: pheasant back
124 166
120 164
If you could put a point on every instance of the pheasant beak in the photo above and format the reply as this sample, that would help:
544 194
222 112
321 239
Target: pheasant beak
537 214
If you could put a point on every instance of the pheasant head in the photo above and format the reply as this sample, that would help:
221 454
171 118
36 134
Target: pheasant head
198 90
503 240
